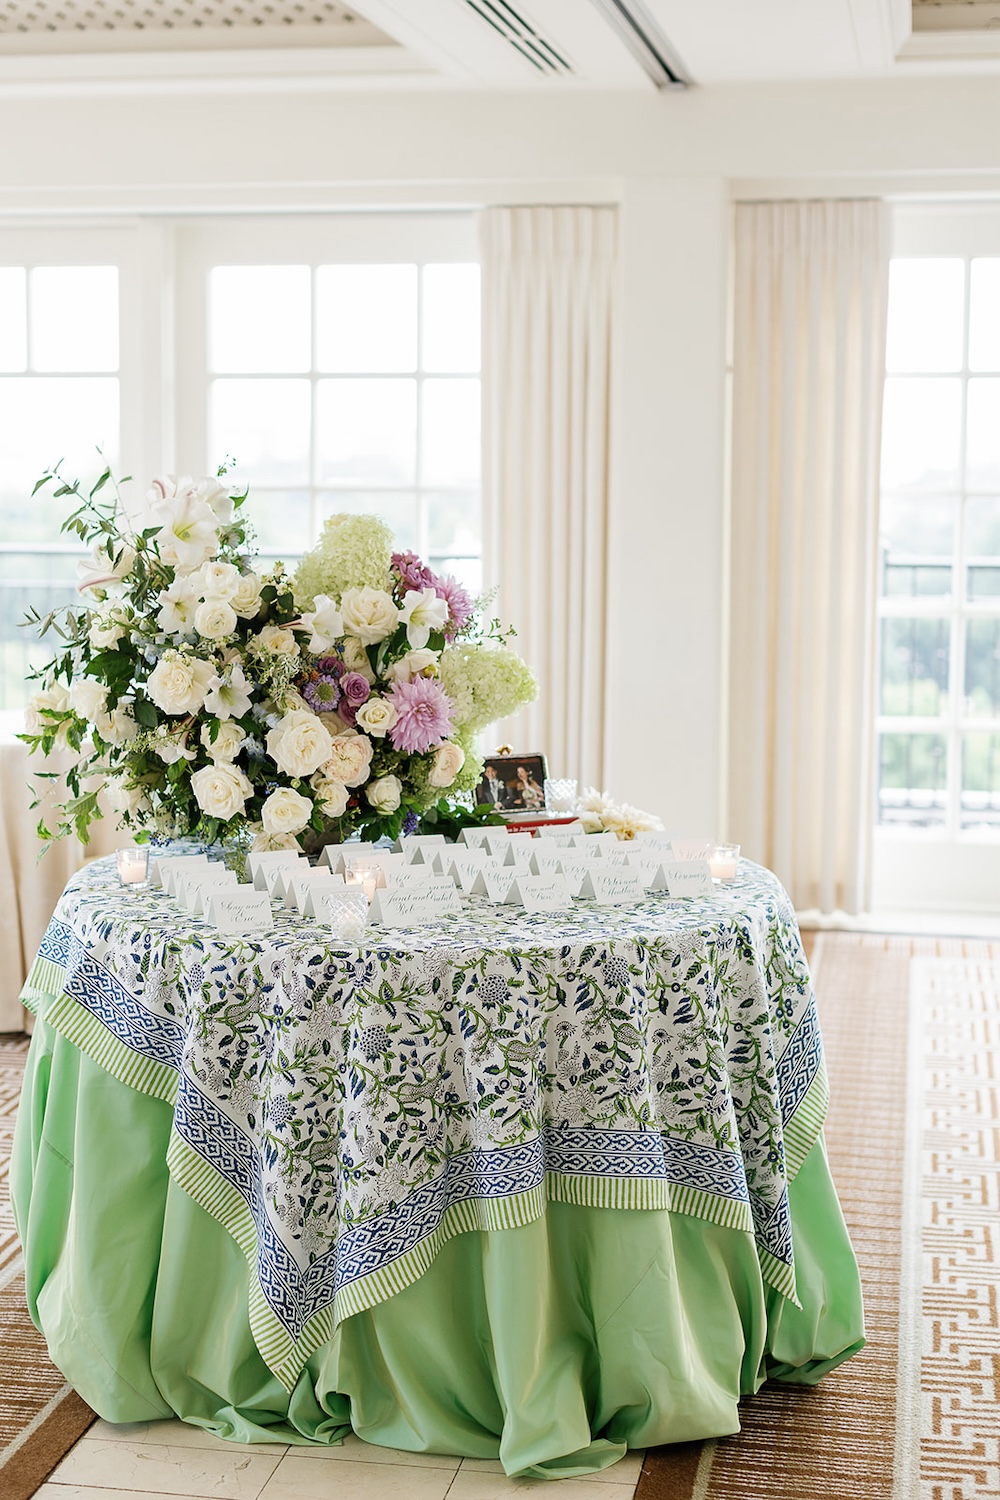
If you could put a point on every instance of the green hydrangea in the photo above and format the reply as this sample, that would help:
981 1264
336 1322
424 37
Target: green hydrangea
485 684
353 552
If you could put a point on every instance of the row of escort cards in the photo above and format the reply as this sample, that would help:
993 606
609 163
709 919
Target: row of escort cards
423 877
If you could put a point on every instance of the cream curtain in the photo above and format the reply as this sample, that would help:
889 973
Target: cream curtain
29 886
548 312
809 359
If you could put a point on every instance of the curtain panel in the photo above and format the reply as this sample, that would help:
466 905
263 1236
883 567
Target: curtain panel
811 285
548 315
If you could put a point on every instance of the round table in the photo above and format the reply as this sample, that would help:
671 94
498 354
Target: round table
536 1187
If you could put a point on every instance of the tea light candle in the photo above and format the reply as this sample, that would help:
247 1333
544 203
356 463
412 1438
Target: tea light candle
133 866
365 877
723 861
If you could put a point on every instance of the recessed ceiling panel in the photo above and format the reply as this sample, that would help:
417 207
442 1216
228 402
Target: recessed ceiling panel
181 22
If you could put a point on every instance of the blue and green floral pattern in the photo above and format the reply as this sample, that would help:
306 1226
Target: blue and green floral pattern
344 1110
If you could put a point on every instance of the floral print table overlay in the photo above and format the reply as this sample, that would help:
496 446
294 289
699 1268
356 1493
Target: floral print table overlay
344 1110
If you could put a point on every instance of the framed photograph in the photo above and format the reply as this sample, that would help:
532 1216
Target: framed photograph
513 783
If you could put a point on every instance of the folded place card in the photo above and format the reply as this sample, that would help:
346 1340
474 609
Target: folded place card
612 885
410 877
329 855
268 876
167 867
286 874
242 910
688 849
353 855
297 887
540 893
200 895
560 830
688 877
188 887
493 885
268 858
314 901
398 906
546 860
496 840
477 838
650 868
410 841
464 871
517 858
655 838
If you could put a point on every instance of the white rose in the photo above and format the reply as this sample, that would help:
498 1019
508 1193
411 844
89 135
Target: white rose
422 612
350 759
385 794
221 790
356 659
263 843
413 664
245 598
110 561
227 743
217 580
285 811
54 699
87 698
331 795
279 640
376 717
449 759
178 684
299 743
106 630
215 619
369 614
117 727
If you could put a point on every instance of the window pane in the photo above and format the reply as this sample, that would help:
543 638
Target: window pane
450 334
926 305
454 523
981 782
982 542
44 419
912 779
366 430
366 318
13 318
982 668
74 317
450 452
982 459
921 434
984 315
258 319
915 667
281 519
468 571
264 426
399 511
46 581
917 539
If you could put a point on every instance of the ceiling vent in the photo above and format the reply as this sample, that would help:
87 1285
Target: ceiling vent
520 34
646 42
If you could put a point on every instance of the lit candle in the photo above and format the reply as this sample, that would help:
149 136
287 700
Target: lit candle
723 861
365 877
133 866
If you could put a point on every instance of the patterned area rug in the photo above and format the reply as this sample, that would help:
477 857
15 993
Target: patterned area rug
41 1416
915 1416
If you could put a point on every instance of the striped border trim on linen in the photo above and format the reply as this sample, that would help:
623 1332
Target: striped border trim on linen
45 982
66 1016
802 1131
618 1192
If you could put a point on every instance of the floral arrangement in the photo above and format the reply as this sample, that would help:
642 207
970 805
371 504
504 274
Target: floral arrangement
211 699
599 814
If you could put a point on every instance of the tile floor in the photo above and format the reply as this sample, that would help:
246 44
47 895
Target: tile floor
164 1460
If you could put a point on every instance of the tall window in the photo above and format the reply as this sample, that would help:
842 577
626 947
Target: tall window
939 709
59 399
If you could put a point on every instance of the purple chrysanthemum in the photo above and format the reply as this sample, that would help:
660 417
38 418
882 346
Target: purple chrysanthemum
423 715
413 573
322 694
459 604
355 689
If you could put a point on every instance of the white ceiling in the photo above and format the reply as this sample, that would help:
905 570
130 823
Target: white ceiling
555 45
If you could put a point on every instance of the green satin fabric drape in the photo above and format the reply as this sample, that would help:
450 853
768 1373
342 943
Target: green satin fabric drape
553 1346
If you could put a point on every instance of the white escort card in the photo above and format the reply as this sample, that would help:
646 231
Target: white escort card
495 840
540 893
464 871
410 877
612 885
442 862
517 858
268 876
297 884
688 849
560 830
492 884
242 910
267 859
398 906
546 861
286 874
688 877
350 856
408 843
316 892
168 867
653 838
650 868
188 887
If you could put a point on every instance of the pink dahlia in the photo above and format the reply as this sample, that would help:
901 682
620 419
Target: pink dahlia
413 573
459 604
423 715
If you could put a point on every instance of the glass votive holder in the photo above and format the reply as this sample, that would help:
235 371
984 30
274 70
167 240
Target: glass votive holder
133 866
723 861
348 913
363 877
560 794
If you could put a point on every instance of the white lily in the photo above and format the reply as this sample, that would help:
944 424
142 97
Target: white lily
229 696
325 623
422 612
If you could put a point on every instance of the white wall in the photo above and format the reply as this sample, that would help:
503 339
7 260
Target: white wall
672 162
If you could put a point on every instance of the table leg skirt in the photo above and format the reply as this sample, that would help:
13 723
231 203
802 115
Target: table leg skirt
552 1347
